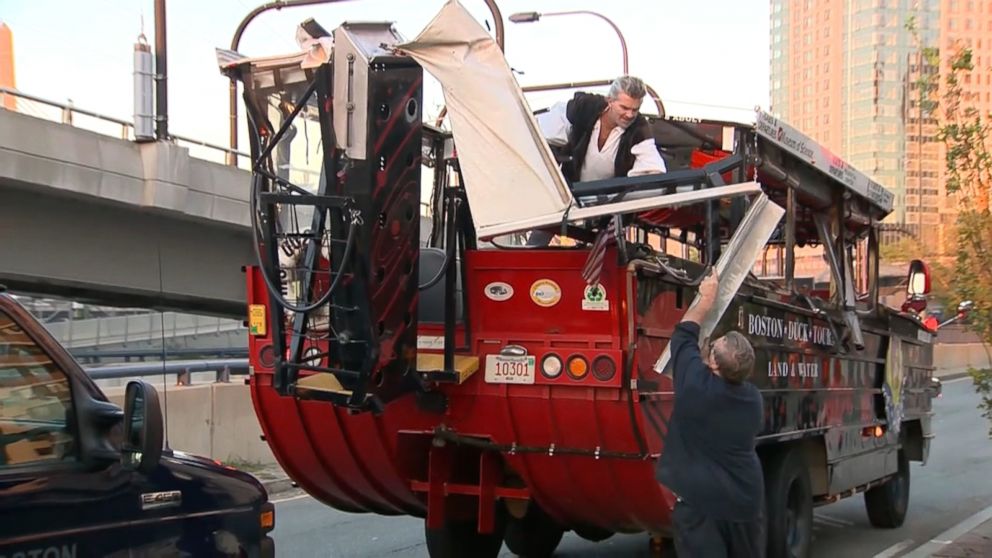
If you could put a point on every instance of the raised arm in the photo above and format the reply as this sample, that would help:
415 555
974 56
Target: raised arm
687 360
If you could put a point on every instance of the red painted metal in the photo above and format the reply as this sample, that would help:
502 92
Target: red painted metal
387 463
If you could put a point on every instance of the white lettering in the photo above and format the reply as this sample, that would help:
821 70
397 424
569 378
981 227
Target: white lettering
792 330
794 370
67 551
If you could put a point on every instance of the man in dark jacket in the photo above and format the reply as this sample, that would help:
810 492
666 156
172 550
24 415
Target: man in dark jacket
601 137
709 459
604 137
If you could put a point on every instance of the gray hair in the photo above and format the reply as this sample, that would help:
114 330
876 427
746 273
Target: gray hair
735 357
630 85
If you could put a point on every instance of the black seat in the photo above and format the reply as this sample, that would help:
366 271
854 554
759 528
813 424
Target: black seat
431 306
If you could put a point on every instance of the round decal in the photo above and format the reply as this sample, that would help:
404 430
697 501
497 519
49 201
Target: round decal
594 298
499 291
545 292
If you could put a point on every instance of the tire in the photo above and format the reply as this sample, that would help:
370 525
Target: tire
594 534
887 504
535 535
460 538
788 505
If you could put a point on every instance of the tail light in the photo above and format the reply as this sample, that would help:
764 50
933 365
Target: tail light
578 367
603 368
551 366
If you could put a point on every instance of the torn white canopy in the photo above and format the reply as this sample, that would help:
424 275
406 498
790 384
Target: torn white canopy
735 263
511 179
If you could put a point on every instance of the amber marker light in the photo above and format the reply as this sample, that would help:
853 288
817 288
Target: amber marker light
267 519
577 367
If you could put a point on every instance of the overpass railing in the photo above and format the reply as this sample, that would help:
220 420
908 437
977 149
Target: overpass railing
137 327
67 113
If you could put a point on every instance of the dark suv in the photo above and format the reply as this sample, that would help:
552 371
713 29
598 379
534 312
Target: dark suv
80 477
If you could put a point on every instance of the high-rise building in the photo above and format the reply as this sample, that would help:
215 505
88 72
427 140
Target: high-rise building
847 73
7 65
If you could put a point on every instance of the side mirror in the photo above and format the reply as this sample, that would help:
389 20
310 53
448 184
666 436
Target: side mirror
143 427
963 308
918 283
917 287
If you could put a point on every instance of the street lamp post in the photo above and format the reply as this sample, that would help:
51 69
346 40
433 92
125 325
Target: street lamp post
528 17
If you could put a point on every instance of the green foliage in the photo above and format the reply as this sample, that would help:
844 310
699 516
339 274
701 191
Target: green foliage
983 385
967 137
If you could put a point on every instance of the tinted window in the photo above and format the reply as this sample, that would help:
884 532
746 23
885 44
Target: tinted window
35 401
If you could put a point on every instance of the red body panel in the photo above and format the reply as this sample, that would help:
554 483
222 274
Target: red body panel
581 448
362 462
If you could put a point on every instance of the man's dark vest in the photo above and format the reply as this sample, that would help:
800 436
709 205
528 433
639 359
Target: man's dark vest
582 112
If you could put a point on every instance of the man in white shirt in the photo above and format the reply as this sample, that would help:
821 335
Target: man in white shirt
602 137
624 143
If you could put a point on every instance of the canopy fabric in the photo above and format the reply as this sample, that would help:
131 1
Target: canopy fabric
509 170
511 179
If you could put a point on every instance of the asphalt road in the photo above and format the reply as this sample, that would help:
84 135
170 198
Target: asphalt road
951 487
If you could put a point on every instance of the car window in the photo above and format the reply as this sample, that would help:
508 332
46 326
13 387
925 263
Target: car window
35 402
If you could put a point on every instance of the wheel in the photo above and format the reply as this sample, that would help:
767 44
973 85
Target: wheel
887 504
788 505
535 535
460 538
594 534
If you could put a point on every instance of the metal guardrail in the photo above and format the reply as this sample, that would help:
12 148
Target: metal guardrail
152 352
183 369
137 328
127 128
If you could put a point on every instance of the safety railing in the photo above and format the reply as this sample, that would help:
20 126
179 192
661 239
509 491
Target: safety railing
137 328
183 370
68 113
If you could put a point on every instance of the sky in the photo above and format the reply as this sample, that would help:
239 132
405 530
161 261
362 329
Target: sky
697 56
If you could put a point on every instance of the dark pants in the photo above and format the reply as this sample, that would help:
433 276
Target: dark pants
699 536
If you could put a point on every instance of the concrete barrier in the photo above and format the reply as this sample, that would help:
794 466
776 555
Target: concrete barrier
958 357
212 420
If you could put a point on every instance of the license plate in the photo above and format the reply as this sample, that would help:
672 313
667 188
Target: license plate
502 369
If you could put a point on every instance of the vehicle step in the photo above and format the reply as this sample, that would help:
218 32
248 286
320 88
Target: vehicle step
431 366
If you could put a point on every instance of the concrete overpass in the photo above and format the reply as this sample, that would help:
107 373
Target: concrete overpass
106 220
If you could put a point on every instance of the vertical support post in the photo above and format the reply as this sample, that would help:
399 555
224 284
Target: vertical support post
161 71
450 276
438 472
489 473
873 257
712 235
790 238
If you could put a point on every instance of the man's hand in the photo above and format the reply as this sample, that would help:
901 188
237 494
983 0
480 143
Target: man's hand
708 289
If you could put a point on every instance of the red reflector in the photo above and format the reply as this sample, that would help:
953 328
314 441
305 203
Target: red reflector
603 368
